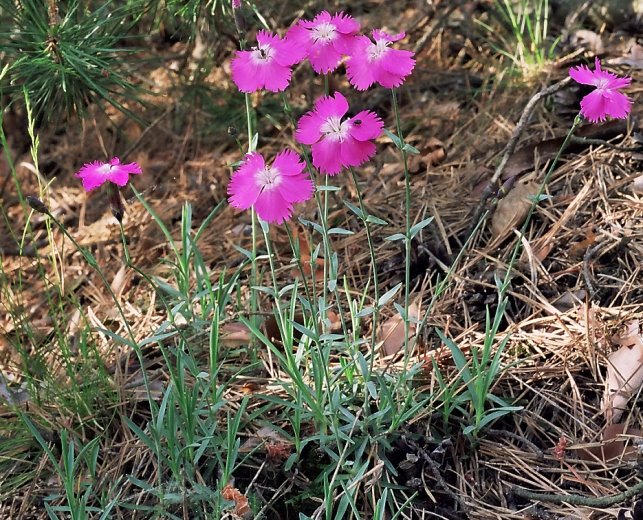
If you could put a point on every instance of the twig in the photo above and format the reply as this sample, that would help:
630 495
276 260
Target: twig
513 141
435 471
587 258
579 500
601 142
519 438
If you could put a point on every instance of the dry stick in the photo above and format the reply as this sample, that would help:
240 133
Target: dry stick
579 500
513 141
587 258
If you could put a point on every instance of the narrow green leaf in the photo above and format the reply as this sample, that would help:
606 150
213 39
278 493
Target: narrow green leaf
410 149
416 228
376 220
396 140
384 299
396 237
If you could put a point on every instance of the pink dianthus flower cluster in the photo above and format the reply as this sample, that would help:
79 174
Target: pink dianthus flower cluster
325 41
337 141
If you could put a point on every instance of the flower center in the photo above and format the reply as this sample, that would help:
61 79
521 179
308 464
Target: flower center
601 84
324 32
263 53
377 50
268 178
104 169
334 129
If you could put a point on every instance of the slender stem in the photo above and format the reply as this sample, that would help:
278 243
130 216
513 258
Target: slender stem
297 254
322 207
407 225
128 258
536 199
254 273
371 249
89 258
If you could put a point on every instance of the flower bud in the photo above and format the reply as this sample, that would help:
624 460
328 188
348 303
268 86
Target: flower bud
116 202
37 205
239 20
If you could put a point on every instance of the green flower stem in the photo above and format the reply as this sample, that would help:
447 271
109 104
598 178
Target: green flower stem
254 274
518 247
91 261
310 296
371 249
322 207
407 226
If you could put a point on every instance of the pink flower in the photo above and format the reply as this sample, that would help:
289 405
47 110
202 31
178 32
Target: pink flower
268 65
337 144
326 39
272 190
377 62
95 174
606 100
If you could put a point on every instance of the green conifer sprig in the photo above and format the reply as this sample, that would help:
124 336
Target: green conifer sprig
67 55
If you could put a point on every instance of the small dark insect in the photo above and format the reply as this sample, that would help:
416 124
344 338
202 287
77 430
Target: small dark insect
357 122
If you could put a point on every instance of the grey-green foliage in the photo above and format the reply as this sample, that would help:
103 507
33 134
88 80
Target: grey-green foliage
68 54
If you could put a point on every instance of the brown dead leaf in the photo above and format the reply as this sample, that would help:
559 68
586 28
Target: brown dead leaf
578 249
634 58
523 159
589 40
616 443
121 278
512 209
272 442
391 332
432 153
234 335
624 372
271 327
637 185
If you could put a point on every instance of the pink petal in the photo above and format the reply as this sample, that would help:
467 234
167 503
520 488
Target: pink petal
322 17
327 156
243 188
387 79
276 77
616 82
582 74
323 57
369 127
345 43
354 153
398 62
245 73
290 52
345 24
594 106
328 106
266 38
296 188
91 176
118 176
618 105
298 35
308 128
289 163
272 207
358 69
382 35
